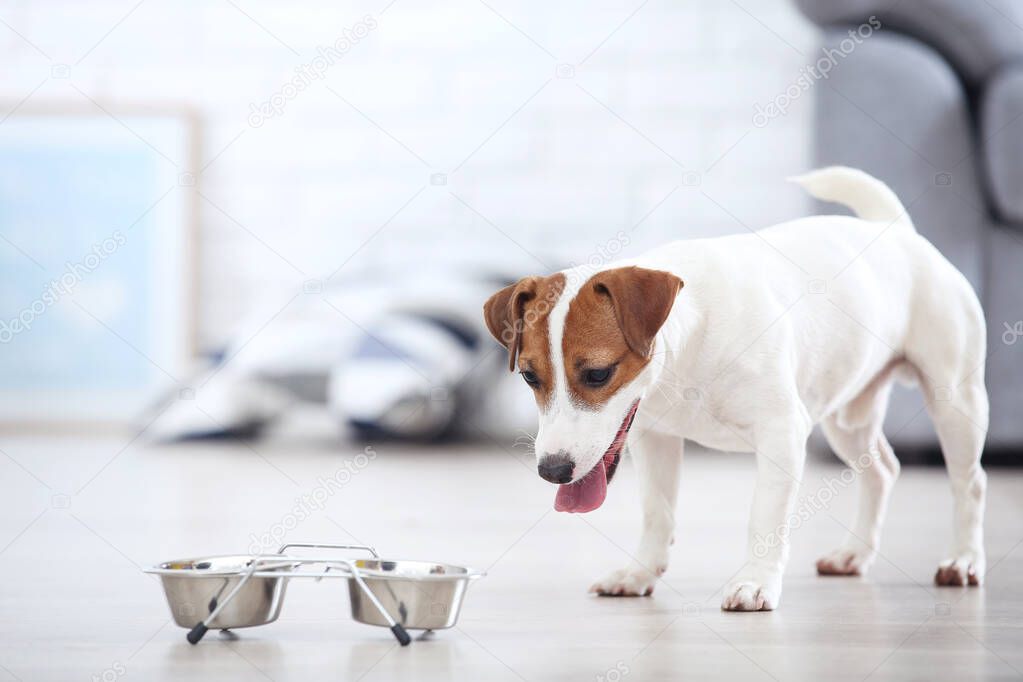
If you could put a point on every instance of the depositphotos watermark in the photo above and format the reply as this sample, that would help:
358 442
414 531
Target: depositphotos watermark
305 74
114 672
313 501
61 287
615 674
1012 333
811 73
601 255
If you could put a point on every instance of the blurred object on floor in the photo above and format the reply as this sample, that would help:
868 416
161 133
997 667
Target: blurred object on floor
389 355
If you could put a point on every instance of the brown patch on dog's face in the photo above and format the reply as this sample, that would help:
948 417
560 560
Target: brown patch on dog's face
608 333
610 328
517 316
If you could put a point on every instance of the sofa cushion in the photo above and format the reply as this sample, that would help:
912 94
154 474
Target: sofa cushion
1003 309
1001 140
976 37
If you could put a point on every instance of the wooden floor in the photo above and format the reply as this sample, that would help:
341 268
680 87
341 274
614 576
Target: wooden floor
80 518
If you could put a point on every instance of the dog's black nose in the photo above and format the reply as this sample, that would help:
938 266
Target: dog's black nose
556 468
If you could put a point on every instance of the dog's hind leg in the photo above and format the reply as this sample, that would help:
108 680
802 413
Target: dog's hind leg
960 415
658 460
948 347
868 452
854 433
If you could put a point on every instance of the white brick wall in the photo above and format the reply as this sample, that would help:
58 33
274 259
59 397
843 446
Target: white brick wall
563 175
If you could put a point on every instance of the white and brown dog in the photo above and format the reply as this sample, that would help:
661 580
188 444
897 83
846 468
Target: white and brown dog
806 322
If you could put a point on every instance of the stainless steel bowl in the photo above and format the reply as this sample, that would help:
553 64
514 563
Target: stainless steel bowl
194 587
417 594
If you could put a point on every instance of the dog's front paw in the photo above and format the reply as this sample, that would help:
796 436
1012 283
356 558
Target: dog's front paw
963 570
750 596
846 562
634 581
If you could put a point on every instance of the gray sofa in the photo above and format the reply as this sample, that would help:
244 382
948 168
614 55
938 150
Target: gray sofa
932 103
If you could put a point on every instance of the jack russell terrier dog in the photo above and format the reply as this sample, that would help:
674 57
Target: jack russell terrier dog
806 322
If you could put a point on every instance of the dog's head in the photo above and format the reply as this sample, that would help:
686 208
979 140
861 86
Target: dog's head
583 348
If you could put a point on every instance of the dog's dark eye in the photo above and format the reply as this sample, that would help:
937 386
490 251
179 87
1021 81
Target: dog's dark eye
597 377
530 377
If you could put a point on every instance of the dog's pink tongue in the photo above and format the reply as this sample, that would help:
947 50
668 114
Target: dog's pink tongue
584 495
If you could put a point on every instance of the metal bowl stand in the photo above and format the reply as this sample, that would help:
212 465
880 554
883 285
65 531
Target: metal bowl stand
269 565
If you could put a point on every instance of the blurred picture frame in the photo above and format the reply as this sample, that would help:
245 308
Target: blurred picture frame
98 254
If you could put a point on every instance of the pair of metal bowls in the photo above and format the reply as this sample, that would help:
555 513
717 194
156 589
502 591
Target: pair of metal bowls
417 595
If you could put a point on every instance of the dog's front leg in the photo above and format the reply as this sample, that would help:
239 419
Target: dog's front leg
658 459
780 459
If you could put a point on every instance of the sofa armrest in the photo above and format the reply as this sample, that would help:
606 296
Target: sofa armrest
1001 141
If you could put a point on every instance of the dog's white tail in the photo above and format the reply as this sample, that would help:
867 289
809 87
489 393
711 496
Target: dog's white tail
868 197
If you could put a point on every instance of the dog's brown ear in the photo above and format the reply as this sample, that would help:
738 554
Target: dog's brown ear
642 300
504 311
